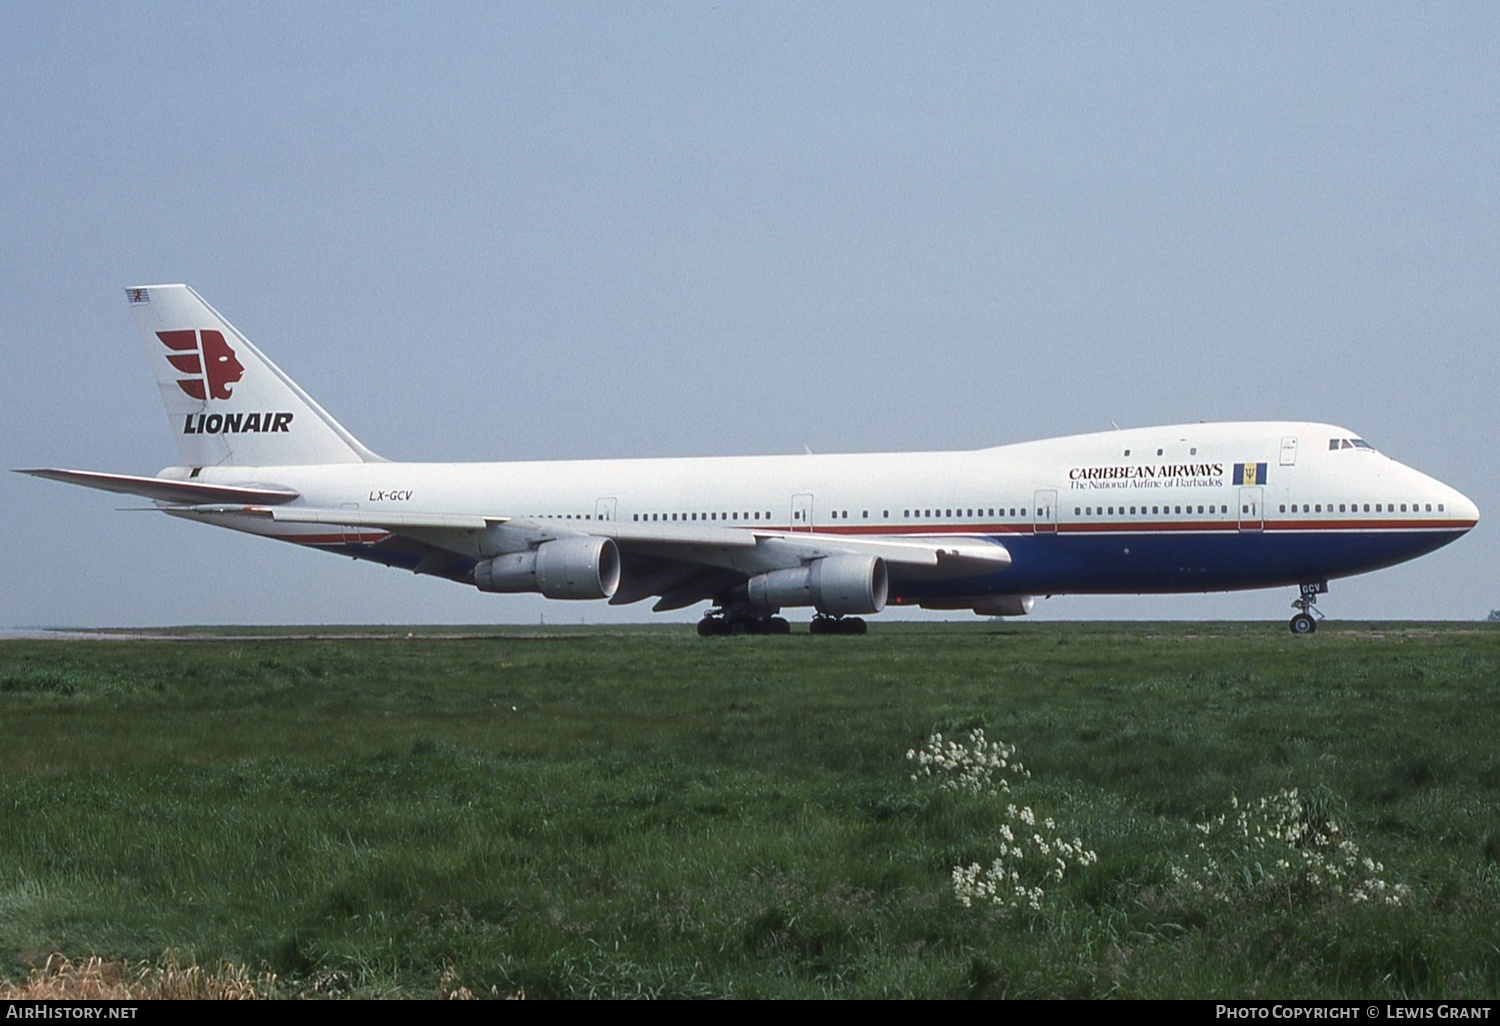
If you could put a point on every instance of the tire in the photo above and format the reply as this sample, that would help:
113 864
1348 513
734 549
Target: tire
1302 623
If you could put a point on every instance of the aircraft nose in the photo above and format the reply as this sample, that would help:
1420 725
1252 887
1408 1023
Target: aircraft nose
1462 509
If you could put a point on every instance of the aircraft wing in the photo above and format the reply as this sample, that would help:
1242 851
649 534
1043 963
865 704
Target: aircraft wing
721 546
670 560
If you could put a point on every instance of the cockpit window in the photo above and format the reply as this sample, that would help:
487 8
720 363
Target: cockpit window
1349 443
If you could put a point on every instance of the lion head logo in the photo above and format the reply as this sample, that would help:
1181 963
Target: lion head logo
207 360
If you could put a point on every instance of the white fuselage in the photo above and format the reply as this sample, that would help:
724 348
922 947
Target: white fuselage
1140 510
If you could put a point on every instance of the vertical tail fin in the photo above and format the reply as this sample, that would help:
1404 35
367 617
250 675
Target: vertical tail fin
227 403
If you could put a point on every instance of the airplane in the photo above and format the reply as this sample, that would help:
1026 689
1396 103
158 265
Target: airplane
1182 508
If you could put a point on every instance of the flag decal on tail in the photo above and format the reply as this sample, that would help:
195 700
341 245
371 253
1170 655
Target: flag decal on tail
138 295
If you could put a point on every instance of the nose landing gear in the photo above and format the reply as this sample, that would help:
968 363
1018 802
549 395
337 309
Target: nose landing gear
1306 621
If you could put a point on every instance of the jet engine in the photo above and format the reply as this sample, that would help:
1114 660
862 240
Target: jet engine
566 568
836 585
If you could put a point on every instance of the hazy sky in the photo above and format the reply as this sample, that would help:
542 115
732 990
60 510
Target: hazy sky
541 231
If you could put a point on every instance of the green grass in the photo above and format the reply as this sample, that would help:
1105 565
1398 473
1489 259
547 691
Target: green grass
638 811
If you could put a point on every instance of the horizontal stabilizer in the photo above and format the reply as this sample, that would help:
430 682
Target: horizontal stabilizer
162 490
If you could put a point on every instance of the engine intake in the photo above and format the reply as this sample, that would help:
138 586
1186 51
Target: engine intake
834 584
566 568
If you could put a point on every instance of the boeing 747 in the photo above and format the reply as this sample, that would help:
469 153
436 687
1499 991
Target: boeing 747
1183 508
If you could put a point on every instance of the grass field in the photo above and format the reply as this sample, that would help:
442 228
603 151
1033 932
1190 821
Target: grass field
618 812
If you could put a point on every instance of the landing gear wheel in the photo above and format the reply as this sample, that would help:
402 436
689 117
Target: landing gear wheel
712 626
1306 602
778 625
837 625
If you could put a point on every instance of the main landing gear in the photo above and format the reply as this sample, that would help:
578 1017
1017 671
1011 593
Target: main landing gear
719 622
1306 621
837 625
739 621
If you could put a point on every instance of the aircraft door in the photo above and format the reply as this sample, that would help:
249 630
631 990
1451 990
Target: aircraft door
1253 509
1045 514
1289 451
802 512
604 508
